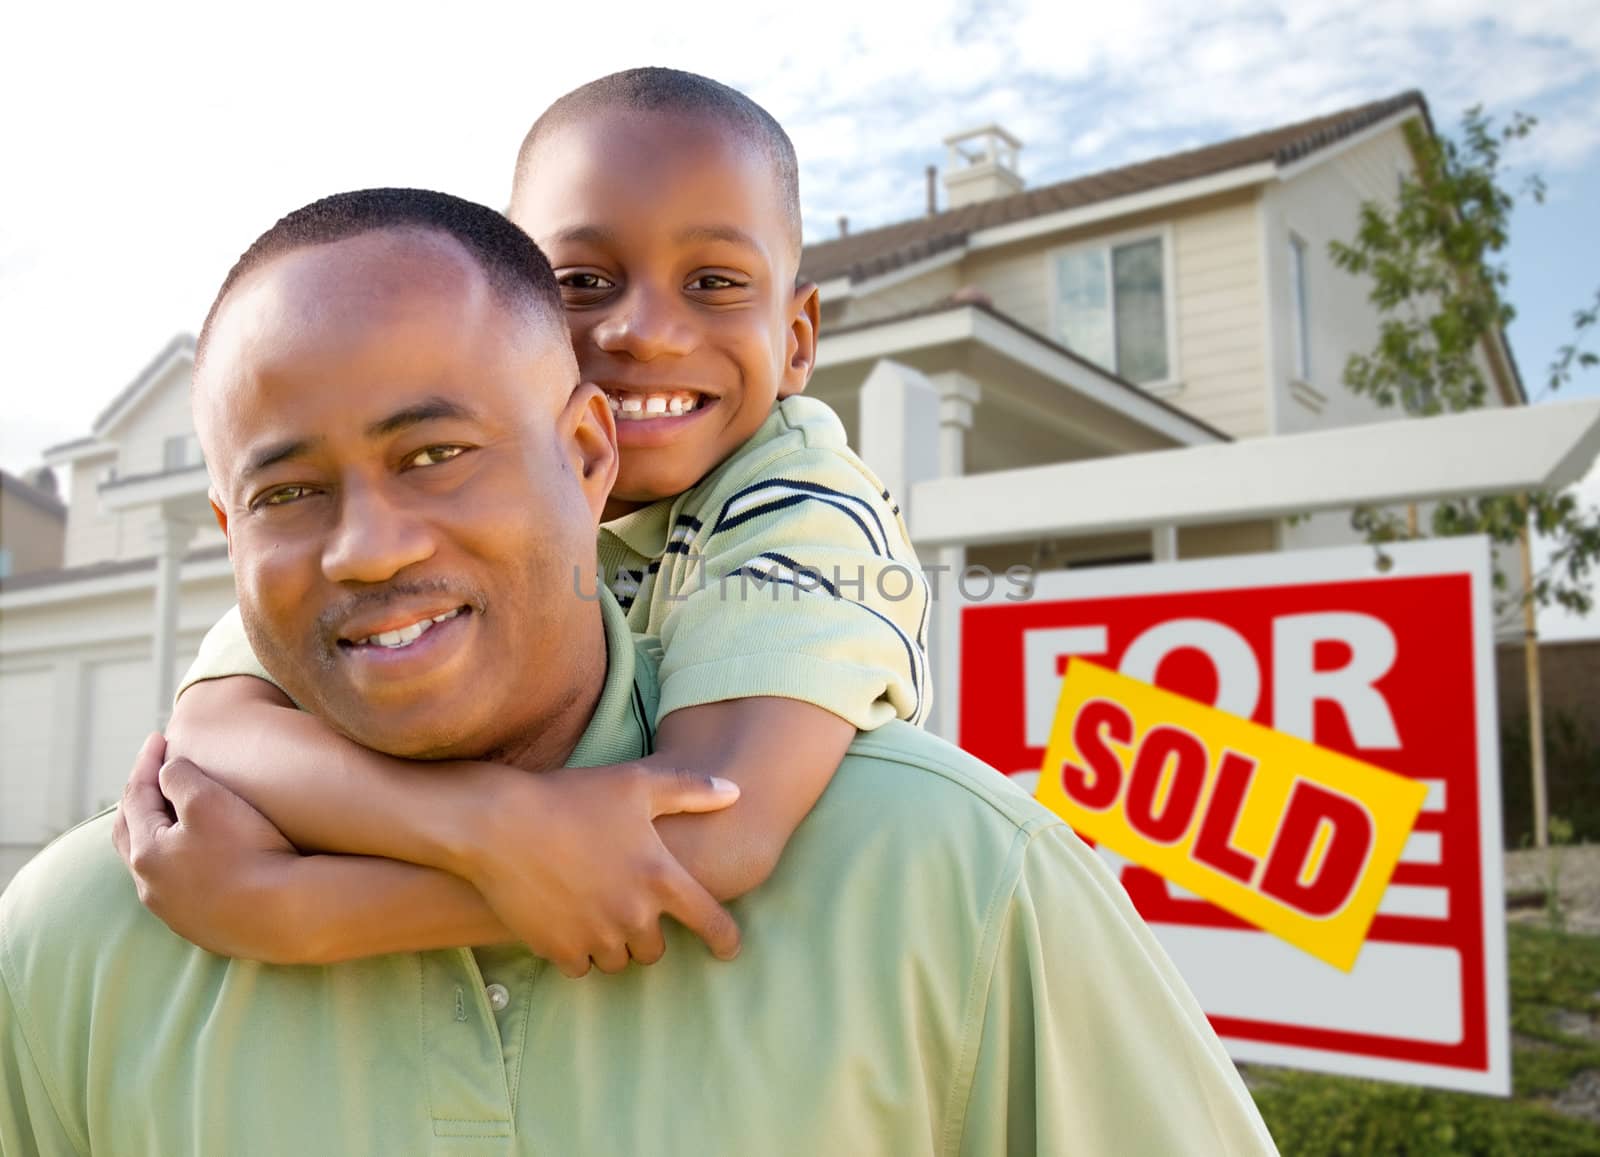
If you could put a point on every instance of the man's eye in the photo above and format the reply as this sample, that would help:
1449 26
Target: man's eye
584 282
433 455
711 281
284 495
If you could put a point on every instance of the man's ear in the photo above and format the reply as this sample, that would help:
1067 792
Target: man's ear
589 437
805 316
221 516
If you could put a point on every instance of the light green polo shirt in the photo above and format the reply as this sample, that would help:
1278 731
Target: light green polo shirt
787 571
938 966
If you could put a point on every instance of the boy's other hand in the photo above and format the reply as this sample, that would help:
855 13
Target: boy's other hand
208 864
571 863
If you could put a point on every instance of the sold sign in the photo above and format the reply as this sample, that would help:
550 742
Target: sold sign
1294 838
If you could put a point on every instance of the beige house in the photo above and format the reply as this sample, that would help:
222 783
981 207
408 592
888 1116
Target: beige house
1183 301
33 523
1177 301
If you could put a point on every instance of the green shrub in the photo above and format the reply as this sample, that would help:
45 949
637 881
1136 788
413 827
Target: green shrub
1551 972
1572 778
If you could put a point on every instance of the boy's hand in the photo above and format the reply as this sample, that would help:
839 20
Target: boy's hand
571 863
209 865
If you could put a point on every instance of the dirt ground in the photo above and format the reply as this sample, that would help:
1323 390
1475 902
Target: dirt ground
1578 884
1577 873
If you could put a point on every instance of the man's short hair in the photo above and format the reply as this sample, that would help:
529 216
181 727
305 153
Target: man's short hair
667 90
515 267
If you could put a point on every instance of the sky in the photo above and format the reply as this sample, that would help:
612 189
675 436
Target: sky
148 144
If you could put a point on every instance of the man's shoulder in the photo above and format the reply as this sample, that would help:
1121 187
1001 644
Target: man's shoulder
74 897
928 780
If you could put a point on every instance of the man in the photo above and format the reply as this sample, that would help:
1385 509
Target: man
390 412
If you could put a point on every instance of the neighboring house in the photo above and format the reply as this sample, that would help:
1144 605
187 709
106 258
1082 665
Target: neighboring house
33 523
1177 302
78 692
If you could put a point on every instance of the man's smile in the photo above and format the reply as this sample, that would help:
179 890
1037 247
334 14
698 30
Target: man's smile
404 636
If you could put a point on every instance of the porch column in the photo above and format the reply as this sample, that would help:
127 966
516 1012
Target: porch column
1164 543
172 537
959 394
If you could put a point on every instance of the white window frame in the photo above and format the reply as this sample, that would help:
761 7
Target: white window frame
1164 233
188 455
1299 250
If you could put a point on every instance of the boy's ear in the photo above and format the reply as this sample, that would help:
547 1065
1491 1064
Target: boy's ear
805 316
589 435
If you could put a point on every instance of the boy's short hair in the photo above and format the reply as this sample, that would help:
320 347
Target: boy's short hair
672 91
514 266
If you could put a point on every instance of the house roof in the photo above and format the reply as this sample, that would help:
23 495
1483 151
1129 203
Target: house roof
32 495
873 252
130 394
98 570
950 304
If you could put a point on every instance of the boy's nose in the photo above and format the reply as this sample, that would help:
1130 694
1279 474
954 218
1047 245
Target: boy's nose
644 327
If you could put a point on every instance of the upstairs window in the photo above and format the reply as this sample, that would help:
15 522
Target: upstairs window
1111 307
182 451
1302 314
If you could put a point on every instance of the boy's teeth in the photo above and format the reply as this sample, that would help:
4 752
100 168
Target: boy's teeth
644 407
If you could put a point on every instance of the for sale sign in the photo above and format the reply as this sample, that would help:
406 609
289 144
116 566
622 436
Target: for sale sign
1306 669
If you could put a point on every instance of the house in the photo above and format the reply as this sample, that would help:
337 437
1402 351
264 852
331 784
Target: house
1181 301
1176 301
33 523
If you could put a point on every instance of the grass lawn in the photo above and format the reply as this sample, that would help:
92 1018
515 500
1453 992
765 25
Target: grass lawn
1555 1012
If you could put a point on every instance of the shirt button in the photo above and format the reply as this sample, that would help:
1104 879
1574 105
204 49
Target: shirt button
499 997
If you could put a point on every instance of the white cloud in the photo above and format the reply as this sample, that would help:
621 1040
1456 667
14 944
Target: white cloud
158 139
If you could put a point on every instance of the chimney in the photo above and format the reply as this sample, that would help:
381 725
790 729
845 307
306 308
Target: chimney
980 165
844 225
933 189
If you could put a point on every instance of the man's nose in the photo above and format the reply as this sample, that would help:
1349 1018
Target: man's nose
376 538
646 323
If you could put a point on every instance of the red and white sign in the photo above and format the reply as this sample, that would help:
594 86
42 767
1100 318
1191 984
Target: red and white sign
1393 668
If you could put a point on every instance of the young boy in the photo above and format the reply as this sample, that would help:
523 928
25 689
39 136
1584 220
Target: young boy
741 530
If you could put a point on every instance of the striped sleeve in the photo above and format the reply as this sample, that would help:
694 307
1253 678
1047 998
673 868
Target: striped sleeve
798 581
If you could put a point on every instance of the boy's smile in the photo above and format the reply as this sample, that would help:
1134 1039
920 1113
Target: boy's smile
677 264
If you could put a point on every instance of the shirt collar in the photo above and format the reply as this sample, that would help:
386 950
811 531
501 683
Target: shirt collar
620 728
644 531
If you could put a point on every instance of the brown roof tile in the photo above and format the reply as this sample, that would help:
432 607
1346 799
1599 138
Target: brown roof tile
876 251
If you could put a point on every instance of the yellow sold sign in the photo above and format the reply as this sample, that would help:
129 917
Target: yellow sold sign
1294 838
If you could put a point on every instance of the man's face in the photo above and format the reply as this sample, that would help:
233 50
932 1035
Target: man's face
407 479
674 253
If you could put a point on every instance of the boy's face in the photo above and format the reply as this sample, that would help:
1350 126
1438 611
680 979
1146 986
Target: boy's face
674 252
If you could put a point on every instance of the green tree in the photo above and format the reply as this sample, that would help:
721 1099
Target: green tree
1439 284
1433 257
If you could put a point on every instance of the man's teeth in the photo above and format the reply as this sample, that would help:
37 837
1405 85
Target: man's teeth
405 636
643 407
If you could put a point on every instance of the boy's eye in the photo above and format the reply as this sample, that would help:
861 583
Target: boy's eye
713 281
583 281
434 455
